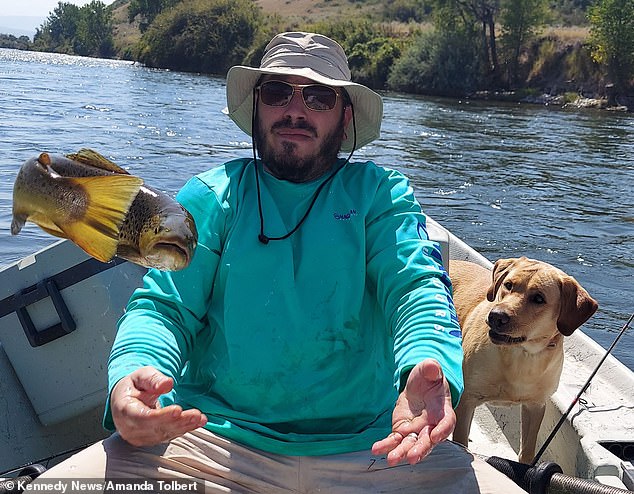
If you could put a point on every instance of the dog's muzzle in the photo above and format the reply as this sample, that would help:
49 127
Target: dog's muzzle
499 324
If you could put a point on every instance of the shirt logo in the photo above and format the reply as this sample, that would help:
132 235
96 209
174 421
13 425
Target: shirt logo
345 216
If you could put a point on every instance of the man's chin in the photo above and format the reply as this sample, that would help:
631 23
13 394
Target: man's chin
289 172
287 160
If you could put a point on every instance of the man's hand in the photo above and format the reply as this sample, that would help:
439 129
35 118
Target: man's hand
423 416
138 416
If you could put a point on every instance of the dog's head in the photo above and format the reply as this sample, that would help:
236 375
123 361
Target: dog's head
533 301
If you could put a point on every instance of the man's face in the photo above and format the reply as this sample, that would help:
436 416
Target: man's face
296 143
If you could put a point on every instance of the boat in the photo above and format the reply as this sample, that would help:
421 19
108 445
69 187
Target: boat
58 312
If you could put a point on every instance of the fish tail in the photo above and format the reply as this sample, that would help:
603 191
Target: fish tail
108 201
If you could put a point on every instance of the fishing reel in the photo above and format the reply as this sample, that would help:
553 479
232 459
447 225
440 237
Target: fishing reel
548 478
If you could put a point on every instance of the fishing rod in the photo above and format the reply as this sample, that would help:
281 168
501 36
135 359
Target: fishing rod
27 473
46 460
16 485
583 390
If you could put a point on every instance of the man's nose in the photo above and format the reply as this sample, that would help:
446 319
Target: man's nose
296 104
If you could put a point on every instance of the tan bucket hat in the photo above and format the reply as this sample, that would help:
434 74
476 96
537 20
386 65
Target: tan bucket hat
315 57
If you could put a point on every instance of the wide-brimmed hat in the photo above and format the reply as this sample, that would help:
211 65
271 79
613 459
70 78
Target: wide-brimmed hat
315 57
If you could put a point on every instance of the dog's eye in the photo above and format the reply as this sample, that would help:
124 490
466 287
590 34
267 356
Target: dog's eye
538 299
508 285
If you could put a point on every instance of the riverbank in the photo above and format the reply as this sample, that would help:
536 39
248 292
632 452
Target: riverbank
567 100
556 68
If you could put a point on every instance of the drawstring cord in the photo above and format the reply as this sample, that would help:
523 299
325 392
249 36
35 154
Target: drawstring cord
261 236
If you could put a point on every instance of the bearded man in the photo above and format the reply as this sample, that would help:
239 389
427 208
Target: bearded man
312 344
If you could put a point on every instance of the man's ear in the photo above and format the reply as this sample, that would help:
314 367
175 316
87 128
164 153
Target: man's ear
347 115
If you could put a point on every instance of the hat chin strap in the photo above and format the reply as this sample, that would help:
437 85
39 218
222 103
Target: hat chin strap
264 239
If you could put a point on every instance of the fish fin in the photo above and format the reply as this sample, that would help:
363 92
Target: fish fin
17 223
51 230
93 158
129 252
109 200
44 159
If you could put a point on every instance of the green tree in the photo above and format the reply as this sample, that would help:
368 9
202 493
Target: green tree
206 36
612 38
520 20
440 62
58 31
472 18
145 11
74 30
94 31
10 41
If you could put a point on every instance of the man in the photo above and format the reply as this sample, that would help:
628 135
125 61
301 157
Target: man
312 343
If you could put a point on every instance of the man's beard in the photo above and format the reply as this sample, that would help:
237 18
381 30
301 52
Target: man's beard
285 165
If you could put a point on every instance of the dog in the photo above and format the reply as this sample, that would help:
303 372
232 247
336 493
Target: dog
513 320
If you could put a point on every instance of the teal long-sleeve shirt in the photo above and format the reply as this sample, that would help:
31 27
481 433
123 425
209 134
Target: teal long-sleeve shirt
298 346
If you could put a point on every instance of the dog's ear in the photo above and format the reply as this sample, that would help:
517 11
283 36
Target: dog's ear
576 306
500 270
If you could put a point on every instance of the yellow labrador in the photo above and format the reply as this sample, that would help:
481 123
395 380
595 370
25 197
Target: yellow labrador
513 322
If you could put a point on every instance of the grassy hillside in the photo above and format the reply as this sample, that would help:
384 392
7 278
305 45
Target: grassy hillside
291 14
310 11
125 33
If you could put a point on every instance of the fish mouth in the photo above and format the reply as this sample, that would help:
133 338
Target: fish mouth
505 339
171 257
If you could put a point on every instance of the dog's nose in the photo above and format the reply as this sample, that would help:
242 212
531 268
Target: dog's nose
498 319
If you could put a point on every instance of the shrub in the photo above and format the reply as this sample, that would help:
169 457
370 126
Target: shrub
201 36
444 63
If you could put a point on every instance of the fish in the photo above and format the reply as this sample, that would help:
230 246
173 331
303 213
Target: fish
91 201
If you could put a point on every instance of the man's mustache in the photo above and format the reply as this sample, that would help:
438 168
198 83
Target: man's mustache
288 124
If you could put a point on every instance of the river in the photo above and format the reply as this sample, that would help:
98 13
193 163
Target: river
509 179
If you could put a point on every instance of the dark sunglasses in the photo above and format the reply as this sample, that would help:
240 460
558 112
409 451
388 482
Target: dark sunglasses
316 97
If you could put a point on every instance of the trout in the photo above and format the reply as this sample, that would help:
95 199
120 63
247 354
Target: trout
88 199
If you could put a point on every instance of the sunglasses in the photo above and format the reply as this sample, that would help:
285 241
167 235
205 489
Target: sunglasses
316 97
